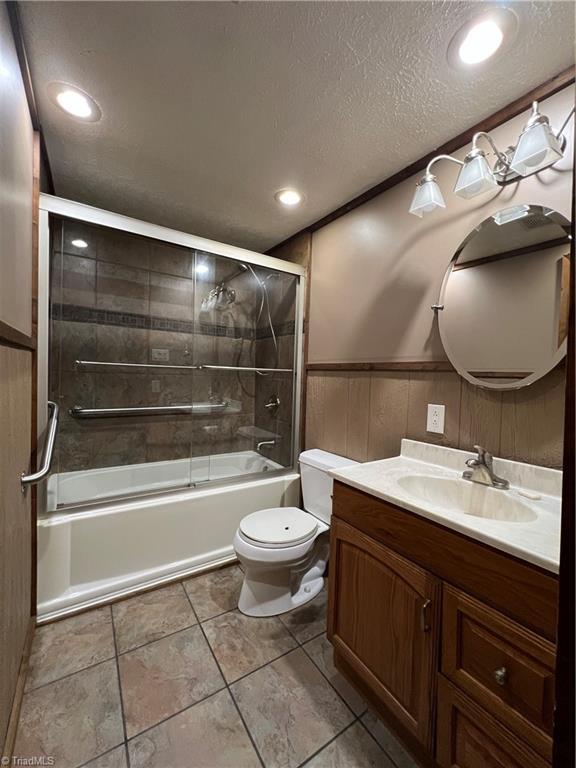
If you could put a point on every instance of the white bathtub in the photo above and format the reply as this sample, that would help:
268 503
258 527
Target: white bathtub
89 555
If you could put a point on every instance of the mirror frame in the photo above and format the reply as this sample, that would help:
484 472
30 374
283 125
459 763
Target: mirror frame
438 308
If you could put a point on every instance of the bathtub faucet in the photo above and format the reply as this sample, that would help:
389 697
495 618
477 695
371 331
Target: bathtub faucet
262 443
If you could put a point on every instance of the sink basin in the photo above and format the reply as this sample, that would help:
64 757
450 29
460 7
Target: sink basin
467 498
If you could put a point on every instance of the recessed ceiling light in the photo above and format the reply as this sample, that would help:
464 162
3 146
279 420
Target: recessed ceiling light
288 197
482 37
79 243
75 102
481 42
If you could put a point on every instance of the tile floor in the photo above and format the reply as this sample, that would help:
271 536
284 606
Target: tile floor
178 678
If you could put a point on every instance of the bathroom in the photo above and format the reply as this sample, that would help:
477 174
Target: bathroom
287 384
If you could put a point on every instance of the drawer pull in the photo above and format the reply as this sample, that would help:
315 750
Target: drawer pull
501 675
424 616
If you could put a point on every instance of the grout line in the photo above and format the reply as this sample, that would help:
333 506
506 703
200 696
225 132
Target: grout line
119 680
227 686
102 754
330 741
156 639
70 674
388 755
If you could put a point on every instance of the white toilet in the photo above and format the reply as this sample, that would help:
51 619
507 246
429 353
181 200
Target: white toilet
284 550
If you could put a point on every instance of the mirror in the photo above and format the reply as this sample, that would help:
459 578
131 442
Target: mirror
505 297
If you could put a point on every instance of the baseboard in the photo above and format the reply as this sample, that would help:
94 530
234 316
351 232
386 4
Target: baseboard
10 741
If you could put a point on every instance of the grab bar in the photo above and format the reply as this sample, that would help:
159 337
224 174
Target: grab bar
156 366
34 478
99 364
244 368
156 410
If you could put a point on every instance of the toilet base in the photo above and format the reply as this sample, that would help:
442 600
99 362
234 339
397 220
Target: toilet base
269 593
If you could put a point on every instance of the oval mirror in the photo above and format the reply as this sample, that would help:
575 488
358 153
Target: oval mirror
505 298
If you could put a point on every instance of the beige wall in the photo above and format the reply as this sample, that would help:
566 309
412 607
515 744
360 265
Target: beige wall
377 270
16 173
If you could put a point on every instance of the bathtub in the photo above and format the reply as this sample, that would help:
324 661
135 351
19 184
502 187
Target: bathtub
92 554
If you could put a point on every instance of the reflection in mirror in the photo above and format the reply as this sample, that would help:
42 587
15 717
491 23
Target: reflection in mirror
505 298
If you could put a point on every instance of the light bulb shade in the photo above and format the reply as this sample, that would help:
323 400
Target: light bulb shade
475 178
427 197
537 148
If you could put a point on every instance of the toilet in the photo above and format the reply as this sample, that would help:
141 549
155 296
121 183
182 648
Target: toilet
284 550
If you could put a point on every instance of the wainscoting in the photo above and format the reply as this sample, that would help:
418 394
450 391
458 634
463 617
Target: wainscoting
365 415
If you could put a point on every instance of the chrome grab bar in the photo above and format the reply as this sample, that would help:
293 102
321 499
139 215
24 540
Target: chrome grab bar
101 364
155 410
243 368
157 366
48 454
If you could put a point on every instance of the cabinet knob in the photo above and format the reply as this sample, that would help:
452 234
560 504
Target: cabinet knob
501 675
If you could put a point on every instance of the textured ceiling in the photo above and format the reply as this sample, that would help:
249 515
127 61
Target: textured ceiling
209 108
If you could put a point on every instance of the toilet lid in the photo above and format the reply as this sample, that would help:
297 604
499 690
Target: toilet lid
279 526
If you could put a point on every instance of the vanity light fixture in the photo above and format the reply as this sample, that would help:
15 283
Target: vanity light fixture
537 148
78 243
288 197
511 214
75 102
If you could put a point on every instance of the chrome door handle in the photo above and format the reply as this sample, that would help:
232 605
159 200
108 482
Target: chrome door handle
501 675
425 626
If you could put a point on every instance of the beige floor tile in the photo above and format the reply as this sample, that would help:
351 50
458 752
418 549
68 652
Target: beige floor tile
352 749
309 620
388 741
321 652
70 645
243 643
114 759
290 710
215 592
207 735
72 720
161 678
151 616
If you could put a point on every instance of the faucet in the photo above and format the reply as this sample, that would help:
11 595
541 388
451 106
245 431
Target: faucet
262 443
481 470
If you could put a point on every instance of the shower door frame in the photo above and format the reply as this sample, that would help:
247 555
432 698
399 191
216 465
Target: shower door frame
49 204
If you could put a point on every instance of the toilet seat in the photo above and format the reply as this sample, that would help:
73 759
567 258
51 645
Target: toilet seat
278 527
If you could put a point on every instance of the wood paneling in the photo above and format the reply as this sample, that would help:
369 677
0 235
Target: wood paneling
15 523
530 595
388 414
478 642
383 620
533 421
438 388
469 738
365 416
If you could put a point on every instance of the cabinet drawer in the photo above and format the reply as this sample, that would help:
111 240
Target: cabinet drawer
504 667
467 737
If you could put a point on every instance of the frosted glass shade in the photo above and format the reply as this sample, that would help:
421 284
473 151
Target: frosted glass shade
475 178
537 148
427 198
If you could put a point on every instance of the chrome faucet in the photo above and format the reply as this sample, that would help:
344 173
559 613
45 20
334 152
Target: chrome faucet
262 443
481 470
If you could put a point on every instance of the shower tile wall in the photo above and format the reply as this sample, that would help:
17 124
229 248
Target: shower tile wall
124 298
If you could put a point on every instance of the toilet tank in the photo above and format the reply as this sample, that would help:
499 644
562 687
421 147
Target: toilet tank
316 482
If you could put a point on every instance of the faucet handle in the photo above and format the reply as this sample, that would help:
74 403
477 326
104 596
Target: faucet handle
484 456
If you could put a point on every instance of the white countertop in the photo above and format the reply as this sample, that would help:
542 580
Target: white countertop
536 540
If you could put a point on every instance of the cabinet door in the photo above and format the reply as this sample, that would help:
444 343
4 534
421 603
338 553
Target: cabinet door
383 621
467 737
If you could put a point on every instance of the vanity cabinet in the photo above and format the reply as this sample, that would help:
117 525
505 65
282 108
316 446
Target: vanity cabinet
384 623
450 640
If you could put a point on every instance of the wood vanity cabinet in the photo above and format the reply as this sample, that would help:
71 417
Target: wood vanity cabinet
450 640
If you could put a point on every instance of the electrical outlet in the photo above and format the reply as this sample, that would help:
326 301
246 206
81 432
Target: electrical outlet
435 420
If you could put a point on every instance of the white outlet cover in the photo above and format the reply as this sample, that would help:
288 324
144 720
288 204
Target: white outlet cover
159 355
435 419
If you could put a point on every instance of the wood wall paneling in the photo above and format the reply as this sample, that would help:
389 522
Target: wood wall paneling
15 522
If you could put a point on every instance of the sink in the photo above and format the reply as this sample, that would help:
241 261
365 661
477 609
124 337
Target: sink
467 498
